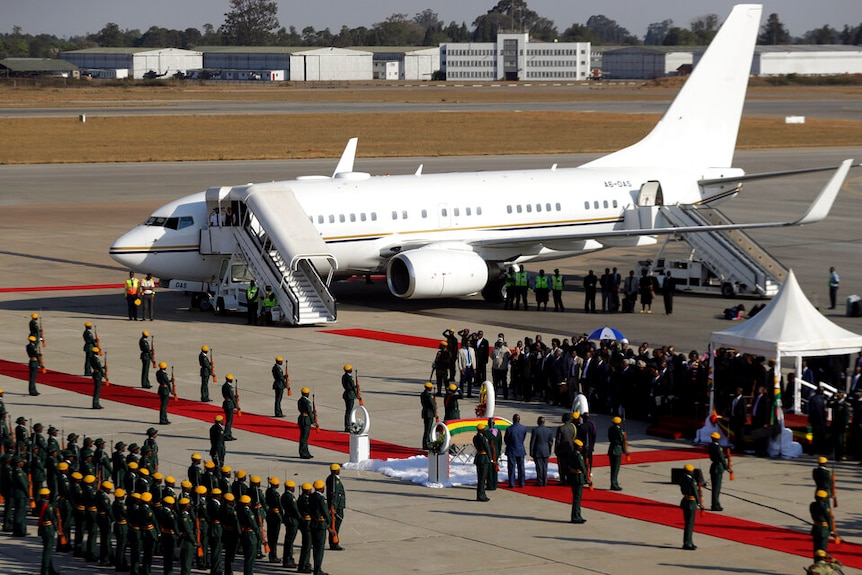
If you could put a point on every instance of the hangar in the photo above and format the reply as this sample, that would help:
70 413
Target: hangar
28 67
807 59
645 61
135 61
515 57
404 62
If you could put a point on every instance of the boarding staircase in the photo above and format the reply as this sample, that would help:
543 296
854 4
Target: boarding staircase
280 246
732 255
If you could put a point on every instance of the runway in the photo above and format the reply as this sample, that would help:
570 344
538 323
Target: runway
58 222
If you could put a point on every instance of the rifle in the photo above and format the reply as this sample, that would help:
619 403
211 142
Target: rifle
626 445
287 378
729 463
30 465
200 549
238 408
42 364
262 532
63 439
153 351
174 385
96 337
107 381
60 532
589 473
834 493
700 497
314 413
212 365
436 417
333 534
42 333
358 390
834 531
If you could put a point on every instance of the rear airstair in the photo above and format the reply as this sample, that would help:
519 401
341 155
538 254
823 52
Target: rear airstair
731 254
273 236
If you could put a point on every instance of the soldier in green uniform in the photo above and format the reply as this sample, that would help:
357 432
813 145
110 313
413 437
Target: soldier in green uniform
97 372
20 496
34 326
149 533
429 413
823 478
164 381
200 515
146 359
689 503
616 448
5 437
482 460
258 508
450 404
64 505
217 447
206 373
495 441
279 384
133 512
822 524
78 510
824 565
186 535
716 469
305 421
90 512
319 525
33 355
250 534
230 530
290 515
214 509
47 528
578 476
274 517
89 344
336 501
303 504
228 405
168 526
349 395
121 529
104 520
194 471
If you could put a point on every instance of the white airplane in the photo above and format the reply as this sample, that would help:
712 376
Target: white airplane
450 235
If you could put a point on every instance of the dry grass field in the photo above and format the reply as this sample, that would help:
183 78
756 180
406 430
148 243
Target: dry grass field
242 137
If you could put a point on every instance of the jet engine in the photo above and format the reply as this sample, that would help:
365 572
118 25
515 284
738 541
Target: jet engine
436 273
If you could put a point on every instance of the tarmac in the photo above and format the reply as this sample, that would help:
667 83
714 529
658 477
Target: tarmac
58 222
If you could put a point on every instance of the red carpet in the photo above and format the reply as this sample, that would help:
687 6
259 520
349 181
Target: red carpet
718 525
387 336
264 425
60 288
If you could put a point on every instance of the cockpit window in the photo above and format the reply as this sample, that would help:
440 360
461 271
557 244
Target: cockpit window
170 223
186 222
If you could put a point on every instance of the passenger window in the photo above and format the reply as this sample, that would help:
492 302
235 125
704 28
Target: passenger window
319 219
404 214
467 211
341 218
456 212
331 219
547 207
529 209
586 205
558 206
373 216
518 208
352 217
444 212
479 211
508 209
394 215
605 203
615 203
362 216
538 207
424 214
596 204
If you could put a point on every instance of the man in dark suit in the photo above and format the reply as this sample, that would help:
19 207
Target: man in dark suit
817 419
564 445
481 345
541 443
515 452
760 420
738 416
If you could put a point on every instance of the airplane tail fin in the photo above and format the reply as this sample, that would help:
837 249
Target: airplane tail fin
701 124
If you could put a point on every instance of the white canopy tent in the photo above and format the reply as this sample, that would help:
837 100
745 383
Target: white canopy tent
790 326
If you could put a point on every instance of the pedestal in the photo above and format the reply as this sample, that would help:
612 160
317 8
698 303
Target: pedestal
360 448
438 467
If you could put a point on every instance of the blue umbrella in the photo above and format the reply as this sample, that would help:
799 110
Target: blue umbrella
607 333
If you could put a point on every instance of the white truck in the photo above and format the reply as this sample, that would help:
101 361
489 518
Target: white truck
695 276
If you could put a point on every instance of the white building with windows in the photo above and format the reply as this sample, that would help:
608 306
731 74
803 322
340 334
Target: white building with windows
515 57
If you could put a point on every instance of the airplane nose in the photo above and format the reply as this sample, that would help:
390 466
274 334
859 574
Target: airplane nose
130 249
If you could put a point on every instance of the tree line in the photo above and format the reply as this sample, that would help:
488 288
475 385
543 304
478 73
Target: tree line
256 23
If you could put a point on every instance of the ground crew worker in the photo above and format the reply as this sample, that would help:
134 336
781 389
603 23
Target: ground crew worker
131 291
510 289
89 344
305 421
429 414
522 284
482 460
557 282
541 287
303 504
33 355
822 524
250 535
320 520
206 373
336 501
290 515
121 529
716 469
269 302
228 405
164 392
689 503
578 476
274 517
47 514
168 527
146 359
97 372
616 448
349 395
148 295
251 297
279 384
217 447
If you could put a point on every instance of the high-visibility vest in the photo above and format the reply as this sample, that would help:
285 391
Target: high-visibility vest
542 282
522 279
149 286
251 294
557 282
510 279
269 300
132 286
